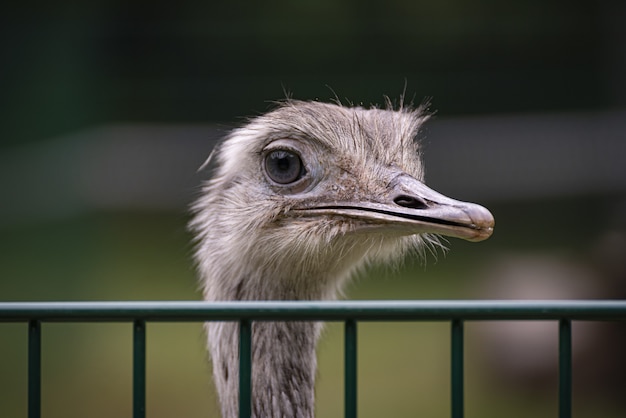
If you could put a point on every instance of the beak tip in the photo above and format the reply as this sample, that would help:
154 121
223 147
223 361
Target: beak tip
484 223
481 234
481 222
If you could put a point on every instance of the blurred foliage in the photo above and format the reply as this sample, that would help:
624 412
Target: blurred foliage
67 64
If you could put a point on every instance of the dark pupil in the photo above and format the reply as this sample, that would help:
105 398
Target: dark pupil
283 166
284 162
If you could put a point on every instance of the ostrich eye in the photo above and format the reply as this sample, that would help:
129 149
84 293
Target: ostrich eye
284 167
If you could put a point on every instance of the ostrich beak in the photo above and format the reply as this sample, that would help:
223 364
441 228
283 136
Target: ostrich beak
411 207
417 206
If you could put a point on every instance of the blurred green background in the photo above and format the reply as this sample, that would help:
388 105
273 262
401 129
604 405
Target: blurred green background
108 108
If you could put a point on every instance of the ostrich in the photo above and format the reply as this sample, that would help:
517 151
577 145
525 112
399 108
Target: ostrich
300 198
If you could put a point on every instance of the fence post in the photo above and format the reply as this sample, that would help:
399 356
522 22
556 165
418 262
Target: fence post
139 369
245 369
34 368
457 369
350 369
565 368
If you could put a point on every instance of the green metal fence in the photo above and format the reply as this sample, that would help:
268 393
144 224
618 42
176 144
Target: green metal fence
350 312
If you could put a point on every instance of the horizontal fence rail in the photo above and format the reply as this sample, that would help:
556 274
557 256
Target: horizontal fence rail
350 312
186 311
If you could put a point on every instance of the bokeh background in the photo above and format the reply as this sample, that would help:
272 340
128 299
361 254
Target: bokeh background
108 108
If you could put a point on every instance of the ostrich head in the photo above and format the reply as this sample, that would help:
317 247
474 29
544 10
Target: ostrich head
300 198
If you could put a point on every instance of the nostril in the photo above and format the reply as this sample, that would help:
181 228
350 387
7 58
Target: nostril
410 202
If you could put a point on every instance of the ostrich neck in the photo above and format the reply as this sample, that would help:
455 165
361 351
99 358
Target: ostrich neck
283 368
284 362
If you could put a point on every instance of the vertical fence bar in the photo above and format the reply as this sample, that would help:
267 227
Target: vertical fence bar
34 369
245 369
139 369
350 379
565 368
457 407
